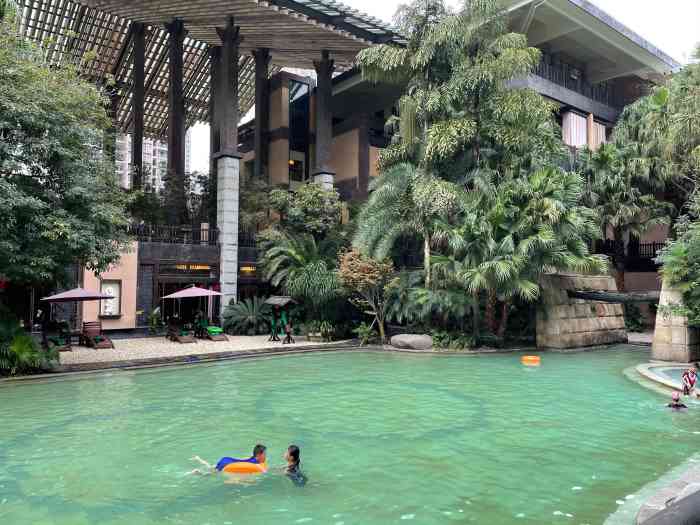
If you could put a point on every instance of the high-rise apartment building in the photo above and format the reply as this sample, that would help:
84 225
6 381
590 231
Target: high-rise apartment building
155 160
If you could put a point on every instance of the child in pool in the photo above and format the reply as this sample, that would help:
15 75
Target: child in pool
293 468
258 457
675 403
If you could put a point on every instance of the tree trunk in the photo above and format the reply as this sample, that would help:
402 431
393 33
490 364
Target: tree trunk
475 319
382 333
619 261
490 313
505 310
426 259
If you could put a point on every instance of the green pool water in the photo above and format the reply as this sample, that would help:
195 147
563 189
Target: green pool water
385 438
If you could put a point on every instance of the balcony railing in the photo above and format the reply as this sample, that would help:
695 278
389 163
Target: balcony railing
174 234
572 78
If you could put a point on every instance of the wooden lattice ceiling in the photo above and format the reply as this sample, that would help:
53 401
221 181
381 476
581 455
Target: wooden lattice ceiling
96 35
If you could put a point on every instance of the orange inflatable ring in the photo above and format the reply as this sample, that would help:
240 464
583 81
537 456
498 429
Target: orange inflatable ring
244 467
530 360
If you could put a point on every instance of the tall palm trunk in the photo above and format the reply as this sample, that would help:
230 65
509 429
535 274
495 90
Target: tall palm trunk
619 259
490 312
475 318
505 310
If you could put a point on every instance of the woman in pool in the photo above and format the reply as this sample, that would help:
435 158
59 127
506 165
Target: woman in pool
293 468
689 378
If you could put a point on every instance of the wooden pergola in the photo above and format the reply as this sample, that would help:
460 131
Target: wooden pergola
99 37
171 63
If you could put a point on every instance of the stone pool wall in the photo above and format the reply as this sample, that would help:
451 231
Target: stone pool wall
674 340
564 322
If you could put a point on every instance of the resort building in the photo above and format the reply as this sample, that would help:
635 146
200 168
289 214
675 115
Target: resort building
176 64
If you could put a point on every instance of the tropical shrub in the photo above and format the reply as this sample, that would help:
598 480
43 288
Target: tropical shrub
19 351
301 266
365 333
366 280
247 317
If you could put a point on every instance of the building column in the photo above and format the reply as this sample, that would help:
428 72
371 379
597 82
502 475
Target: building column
214 93
262 107
228 163
590 127
139 59
176 122
324 121
110 134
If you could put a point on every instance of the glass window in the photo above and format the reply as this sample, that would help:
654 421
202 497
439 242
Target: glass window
111 307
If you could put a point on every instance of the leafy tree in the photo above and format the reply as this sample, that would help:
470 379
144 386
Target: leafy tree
512 232
621 198
303 267
405 200
60 203
456 107
366 279
246 317
309 208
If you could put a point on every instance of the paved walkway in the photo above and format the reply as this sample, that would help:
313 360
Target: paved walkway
150 349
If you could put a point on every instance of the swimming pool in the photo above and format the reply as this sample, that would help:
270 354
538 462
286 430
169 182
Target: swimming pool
385 438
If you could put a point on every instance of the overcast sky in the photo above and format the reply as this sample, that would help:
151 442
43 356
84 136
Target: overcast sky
671 25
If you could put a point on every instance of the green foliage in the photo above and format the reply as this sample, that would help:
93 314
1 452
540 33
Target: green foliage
309 208
680 260
247 317
366 280
365 333
452 340
59 200
301 266
155 321
19 351
633 318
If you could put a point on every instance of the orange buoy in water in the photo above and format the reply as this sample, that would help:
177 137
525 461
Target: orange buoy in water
530 360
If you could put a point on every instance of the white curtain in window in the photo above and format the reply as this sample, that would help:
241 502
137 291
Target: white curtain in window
111 306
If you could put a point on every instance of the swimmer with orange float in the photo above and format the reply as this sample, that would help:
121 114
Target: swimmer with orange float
256 464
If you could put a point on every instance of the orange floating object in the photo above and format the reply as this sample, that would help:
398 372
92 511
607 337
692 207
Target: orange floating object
530 360
244 467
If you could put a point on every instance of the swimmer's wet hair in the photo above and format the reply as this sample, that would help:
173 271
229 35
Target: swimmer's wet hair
294 453
259 449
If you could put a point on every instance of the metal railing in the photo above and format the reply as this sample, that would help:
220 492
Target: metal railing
634 250
572 78
174 234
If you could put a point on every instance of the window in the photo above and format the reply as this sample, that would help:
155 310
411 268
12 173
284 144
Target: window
298 131
111 307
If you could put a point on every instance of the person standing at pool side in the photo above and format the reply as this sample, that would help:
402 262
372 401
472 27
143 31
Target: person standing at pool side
675 403
689 378
293 468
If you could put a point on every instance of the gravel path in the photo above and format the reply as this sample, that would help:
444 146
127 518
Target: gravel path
155 347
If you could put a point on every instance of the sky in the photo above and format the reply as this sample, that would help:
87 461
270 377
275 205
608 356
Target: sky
672 26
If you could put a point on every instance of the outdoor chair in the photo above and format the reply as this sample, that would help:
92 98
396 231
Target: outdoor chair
179 334
93 337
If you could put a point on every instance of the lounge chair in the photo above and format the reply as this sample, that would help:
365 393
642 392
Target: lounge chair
93 337
215 333
180 335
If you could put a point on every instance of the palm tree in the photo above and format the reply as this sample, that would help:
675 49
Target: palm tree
513 232
246 317
617 189
405 201
303 267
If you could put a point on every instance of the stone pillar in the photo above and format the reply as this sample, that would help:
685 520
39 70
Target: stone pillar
674 340
176 123
139 58
324 121
590 127
110 134
214 93
262 107
228 164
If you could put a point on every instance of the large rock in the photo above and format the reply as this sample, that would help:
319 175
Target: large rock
412 341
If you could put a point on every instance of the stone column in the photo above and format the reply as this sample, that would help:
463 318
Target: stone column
110 134
176 122
674 340
139 58
324 121
262 107
228 164
214 93
590 127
